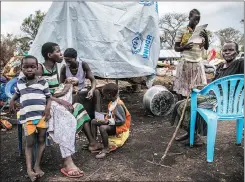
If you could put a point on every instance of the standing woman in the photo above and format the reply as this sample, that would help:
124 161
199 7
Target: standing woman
191 57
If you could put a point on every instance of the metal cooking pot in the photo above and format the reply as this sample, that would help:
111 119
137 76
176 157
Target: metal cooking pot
159 100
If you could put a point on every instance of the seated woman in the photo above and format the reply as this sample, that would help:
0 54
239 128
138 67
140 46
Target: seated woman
91 99
230 67
66 119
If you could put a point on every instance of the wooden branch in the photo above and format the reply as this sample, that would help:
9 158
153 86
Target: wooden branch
181 119
158 164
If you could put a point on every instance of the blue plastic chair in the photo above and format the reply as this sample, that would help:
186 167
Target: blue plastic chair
229 92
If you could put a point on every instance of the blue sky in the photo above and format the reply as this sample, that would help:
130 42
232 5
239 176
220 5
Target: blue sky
218 15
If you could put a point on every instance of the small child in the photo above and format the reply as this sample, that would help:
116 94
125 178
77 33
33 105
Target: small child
117 119
65 87
34 97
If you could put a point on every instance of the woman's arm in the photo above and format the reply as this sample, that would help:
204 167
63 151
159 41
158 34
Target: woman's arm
90 76
179 48
205 36
64 91
63 74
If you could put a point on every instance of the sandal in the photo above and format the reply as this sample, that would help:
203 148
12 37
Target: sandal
102 154
66 173
6 124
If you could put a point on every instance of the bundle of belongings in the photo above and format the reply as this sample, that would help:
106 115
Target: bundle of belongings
209 70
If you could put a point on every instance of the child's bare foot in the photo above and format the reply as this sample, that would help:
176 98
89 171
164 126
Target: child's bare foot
32 175
39 172
95 147
102 154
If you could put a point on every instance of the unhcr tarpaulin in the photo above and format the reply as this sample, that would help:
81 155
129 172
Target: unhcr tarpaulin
116 39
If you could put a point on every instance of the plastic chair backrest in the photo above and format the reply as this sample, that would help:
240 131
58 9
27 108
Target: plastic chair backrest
10 87
229 92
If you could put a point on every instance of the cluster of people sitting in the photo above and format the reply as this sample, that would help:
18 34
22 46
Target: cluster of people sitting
55 105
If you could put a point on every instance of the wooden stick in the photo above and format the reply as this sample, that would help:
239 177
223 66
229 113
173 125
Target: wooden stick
180 121
176 130
158 164
95 172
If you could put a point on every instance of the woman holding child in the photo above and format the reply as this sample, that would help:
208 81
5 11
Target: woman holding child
66 119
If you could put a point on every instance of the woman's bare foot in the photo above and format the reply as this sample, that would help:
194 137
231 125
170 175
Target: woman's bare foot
32 175
39 171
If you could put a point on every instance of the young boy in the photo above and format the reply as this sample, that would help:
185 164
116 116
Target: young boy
117 119
34 97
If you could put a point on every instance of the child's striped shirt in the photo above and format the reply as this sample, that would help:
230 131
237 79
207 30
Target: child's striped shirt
33 98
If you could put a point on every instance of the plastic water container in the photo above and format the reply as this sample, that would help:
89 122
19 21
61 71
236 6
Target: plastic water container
159 100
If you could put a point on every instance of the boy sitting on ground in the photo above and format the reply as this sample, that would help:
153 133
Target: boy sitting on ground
117 119
35 102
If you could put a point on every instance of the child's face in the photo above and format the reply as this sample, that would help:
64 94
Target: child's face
29 67
70 62
194 20
109 96
56 55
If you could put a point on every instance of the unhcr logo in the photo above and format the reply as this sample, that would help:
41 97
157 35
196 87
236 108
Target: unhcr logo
147 46
137 43
146 3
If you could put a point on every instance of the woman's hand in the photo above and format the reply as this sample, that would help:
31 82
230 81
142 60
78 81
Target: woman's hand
66 104
204 34
205 43
188 46
90 94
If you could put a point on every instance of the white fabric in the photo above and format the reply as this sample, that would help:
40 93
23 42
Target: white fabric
62 126
116 39
112 107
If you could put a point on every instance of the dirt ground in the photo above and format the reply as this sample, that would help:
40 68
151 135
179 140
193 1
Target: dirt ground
147 142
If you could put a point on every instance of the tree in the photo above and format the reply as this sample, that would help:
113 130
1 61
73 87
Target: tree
230 34
171 23
8 46
31 24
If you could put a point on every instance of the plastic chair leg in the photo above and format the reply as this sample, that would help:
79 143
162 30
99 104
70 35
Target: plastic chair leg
19 127
211 136
239 130
192 126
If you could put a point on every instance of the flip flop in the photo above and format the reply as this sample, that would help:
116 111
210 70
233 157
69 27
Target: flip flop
6 124
112 148
101 155
65 172
95 151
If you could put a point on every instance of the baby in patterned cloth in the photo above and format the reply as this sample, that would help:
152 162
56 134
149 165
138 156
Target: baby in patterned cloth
71 81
